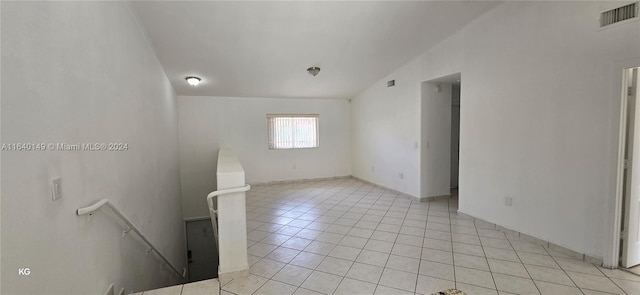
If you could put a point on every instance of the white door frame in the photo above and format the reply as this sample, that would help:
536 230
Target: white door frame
612 249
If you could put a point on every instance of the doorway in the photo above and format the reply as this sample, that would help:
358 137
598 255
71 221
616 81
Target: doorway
202 251
440 136
455 134
630 204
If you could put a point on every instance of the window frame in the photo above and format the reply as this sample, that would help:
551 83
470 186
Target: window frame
271 145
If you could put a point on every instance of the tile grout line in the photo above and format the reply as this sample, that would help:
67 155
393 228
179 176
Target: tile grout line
325 256
390 251
278 246
565 272
611 279
484 256
527 270
424 234
321 199
453 257
353 262
374 230
334 205
369 239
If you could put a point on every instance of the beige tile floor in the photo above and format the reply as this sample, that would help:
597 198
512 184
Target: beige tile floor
349 237
207 287
635 270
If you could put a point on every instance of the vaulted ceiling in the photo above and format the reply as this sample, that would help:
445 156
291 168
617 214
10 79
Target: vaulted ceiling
263 48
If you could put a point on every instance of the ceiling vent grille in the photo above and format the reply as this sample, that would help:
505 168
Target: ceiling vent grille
619 14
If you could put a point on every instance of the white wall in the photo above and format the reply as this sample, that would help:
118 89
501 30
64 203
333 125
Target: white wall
385 132
79 72
538 123
208 123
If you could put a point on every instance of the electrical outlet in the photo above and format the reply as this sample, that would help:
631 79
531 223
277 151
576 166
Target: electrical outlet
373 168
56 189
508 201
401 175
294 167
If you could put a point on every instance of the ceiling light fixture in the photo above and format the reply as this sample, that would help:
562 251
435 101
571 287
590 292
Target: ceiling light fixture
313 71
193 81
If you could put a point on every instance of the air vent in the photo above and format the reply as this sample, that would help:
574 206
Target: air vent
391 83
619 14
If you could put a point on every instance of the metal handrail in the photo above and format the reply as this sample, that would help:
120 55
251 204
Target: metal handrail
211 195
213 212
95 207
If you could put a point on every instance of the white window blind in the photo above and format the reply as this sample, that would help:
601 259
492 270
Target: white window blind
292 131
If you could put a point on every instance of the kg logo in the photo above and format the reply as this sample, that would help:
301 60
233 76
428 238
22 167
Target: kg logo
24 271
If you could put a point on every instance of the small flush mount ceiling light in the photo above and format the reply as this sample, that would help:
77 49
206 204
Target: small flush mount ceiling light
313 71
193 81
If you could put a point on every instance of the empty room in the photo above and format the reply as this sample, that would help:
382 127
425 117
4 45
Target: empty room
319 147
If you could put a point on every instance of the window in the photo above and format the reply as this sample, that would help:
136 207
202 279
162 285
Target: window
292 131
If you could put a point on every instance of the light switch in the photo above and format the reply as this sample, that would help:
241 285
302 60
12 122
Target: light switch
56 189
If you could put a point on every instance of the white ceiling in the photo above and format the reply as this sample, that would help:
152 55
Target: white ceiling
262 49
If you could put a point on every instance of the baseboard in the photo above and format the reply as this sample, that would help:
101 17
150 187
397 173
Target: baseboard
554 249
293 181
385 188
434 198
303 180
225 277
197 218
558 250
